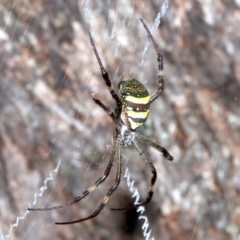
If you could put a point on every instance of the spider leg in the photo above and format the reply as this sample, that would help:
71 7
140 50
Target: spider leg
109 193
153 180
89 190
160 65
165 153
104 73
106 109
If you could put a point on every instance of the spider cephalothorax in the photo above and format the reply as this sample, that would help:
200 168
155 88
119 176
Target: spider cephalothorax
131 112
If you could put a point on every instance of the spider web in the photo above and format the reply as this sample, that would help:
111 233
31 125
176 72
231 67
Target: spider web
116 24
48 76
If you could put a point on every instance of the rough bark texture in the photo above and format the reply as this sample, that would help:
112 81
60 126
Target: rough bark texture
48 75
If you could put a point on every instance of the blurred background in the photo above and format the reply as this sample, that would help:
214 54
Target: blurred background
48 76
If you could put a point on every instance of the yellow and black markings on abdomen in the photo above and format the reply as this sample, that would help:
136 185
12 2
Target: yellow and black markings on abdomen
135 103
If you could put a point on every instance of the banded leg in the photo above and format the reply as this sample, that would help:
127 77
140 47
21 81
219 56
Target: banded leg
106 109
160 65
109 193
153 180
89 190
104 73
165 153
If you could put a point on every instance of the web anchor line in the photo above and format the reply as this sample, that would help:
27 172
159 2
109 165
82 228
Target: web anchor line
141 209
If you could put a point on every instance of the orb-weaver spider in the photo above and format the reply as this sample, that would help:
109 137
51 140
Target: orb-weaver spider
131 112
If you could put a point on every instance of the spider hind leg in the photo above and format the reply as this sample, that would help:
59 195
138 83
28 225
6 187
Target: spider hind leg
105 76
160 65
106 109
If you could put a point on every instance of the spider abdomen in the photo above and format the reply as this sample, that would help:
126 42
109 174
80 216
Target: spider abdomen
135 103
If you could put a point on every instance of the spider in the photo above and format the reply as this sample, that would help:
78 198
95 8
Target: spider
133 103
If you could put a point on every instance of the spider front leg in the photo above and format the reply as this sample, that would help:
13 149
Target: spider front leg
153 180
105 75
89 190
109 193
160 66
